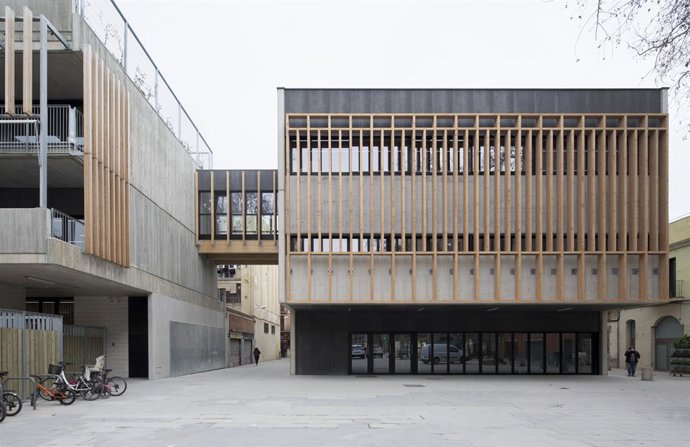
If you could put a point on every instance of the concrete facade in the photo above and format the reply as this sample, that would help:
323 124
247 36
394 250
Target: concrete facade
165 264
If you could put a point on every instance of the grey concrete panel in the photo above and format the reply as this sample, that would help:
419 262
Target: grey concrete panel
156 237
24 230
195 348
58 12
322 337
474 101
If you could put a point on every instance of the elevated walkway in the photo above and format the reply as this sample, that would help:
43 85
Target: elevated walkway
237 216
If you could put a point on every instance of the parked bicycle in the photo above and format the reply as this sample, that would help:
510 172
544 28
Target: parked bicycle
11 402
58 390
81 385
116 385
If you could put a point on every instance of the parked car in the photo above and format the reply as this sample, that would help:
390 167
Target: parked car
377 351
358 351
442 353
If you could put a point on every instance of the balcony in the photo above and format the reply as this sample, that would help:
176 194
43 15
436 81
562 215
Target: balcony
19 134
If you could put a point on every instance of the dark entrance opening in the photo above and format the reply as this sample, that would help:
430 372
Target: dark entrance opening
138 313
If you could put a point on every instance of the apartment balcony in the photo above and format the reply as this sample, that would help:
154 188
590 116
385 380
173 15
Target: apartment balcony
19 134
41 250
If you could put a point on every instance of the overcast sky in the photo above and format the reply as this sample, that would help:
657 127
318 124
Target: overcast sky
225 59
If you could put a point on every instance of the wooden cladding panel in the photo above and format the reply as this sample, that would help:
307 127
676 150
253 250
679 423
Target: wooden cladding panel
27 59
106 161
9 60
561 186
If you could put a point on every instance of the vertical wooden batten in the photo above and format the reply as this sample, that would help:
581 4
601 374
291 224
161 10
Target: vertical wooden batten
9 61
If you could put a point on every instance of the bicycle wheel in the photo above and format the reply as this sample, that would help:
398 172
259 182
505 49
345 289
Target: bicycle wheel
13 404
2 410
91 393
50 384
69 397
118 385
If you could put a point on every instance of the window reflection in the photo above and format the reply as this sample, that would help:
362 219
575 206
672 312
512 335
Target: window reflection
403 353
504 354
489 353
584 353
424 358
456 352
472 353
536 353
553 353
380 352
520 353
440 353
568 346
358 357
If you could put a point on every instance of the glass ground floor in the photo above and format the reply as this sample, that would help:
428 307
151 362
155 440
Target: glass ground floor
473 353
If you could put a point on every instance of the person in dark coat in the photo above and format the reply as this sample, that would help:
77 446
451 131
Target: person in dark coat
257 354
631 358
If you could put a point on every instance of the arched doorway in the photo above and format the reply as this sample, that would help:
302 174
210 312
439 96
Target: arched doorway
667 331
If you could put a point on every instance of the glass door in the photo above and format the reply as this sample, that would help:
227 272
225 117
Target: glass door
358 357
380 352
402 354
424 353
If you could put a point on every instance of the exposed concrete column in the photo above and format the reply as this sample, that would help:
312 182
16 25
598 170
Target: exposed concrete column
12 297
603 344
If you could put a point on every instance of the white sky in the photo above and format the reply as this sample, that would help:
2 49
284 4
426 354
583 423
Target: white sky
225 59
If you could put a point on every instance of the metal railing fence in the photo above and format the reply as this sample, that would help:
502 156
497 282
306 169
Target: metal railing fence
67 228
109 24
65 125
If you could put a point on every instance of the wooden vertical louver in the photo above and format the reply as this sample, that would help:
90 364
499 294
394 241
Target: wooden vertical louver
523 207
106 162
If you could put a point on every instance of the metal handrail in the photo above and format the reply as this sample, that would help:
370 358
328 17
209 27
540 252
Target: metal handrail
67 228
65 130
109 24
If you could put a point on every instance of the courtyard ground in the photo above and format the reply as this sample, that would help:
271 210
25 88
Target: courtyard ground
264 405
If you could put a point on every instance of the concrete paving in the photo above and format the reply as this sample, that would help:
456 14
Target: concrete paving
264 405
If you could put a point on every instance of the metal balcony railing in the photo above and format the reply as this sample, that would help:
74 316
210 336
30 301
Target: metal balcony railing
108 23
19 134
67 228
677 289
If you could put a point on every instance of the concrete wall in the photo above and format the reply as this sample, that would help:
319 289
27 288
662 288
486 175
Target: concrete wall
109 313
475 100
322 337
12 297
163 310
24 230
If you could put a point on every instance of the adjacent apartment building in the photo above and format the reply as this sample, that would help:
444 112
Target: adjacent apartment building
97 196
464 231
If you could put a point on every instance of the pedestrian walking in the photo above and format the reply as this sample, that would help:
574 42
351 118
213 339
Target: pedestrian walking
257 354
631 359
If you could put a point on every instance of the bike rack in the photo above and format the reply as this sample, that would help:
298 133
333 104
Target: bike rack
22 380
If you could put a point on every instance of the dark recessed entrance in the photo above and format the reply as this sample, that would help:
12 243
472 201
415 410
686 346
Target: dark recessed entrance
474 353
138 313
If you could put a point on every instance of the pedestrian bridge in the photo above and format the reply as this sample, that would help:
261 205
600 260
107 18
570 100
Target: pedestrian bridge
237 216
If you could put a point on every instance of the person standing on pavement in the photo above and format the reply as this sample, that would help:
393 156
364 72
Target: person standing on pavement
631 358
257 354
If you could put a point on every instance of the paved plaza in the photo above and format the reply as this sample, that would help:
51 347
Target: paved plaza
264 405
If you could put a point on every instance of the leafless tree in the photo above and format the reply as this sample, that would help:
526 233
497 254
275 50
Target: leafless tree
654 29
